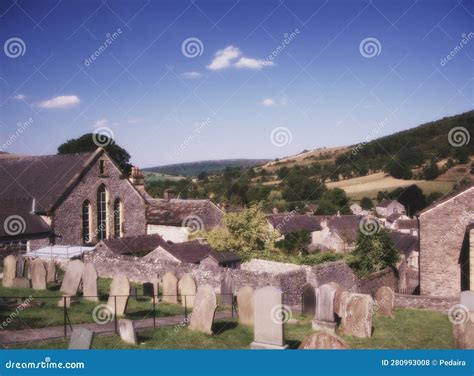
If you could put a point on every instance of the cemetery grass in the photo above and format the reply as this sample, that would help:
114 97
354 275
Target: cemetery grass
45 312
408 329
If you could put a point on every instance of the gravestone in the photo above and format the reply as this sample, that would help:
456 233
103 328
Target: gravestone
323 340
170 288
127 331
337 295
340 303
89 282
358 319
20 265
309 300
384 301
148 289
227 289
81 339
268 319
119 294
72 277
324 318
133 293
27 268
9 270
187 286
38 275
205 306
51 271
21 283
245 305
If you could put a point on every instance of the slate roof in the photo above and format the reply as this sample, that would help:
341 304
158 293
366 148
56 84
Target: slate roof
174 212
386 203
346 226
446 197
195 251
130 245
405 243
287 223
393 217
407 224
16 217
43 178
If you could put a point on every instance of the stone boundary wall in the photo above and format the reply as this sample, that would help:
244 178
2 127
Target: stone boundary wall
387 277
435 303
336 271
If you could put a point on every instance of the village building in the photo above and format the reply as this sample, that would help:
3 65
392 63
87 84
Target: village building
446 249
386 208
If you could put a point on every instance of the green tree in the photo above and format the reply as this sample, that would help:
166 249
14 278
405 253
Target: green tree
366 203
431 171
398 170
87 143
373 253
332 201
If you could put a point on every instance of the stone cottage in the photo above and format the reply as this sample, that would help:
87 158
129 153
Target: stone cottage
446 250
386 208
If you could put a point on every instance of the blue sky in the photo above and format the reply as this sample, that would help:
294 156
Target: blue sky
225 98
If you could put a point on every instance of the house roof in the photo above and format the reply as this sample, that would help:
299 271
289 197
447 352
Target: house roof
386 203
195 251
405 243
393 217
16 220
451 195
44 178
175 212
287 223
131 245
346 226
407 224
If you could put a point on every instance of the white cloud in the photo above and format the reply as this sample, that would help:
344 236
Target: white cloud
19 97
191 75
249 63
223 58
101 123
269 102
62 101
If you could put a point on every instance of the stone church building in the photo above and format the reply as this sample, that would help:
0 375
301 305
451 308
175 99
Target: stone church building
446 231
77 199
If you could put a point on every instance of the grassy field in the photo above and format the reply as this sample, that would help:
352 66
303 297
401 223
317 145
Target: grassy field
151 177
45 311
408 329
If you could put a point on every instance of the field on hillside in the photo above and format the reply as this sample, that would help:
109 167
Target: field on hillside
155 176
370 185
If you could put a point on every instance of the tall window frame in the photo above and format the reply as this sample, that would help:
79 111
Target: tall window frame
102 212
118 218
86 222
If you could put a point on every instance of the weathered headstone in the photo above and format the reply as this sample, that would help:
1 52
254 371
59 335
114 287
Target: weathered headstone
38 275
245 305
27 268
21 283
227 289
324 318
119 294
148 289
20 265
187 288
358 319
170 288
340 303
72 277
133 293
384 301
51 271
337 295
309 300
89 282
464 329
205 306
9 270
323 340
81 339
127 331
268 319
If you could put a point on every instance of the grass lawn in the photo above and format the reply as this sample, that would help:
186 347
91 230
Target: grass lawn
49 314
408 329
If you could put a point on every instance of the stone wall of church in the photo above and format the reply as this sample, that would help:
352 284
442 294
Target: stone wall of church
67 219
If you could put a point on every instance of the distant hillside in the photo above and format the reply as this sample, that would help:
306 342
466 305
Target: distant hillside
195 168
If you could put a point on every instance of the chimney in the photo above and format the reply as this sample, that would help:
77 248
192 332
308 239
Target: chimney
168 194
275 210
137 179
